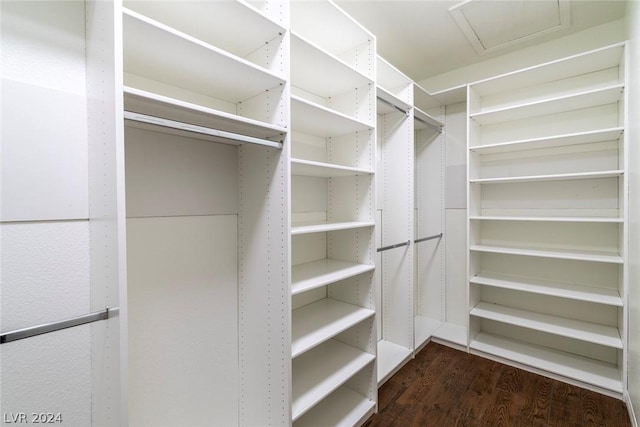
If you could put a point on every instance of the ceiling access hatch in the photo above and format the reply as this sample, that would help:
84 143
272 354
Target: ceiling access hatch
494 24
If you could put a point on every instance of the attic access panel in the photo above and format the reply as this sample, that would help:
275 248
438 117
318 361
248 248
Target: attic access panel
491 25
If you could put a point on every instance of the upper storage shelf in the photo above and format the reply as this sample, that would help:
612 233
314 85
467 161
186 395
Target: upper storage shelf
329 27
216 23
309 117
193 71
393 86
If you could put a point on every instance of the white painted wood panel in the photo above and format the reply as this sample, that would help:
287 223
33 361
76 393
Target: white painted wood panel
183 338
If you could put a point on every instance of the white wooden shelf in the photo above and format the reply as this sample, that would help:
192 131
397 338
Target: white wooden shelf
424 120
317 71
550 177
190 64
311 275
582 369
594 219
324 170
322 370
215 23
393 83
584 331
314 119
315 227
153 104
424 328
607 296
582 63
452 333
389 103
315 323
391 357
551 253
342 408
577 138
555 105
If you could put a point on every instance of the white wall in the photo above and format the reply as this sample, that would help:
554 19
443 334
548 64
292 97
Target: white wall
44 233
633 33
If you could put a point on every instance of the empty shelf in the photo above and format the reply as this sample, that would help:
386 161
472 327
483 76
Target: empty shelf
597 219
314 119
319 372
324 170
551 141
552 253
584 331
390 103
426 121
315 323
546 287
555 105
153 104
424 329
314 274
451 332
342 408
391 357
589 371
307 228
550 177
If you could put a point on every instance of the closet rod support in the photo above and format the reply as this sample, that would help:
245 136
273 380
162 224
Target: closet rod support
397 245
187 127
424 239
392 105
56 326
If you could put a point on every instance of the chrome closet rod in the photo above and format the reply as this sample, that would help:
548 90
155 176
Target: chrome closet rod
56 326
392 105
159 121
397 245
424 239
430 125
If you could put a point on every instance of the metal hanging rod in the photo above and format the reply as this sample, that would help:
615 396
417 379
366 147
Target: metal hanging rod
397 245
429 125
186 127
424 239
392 105
56 326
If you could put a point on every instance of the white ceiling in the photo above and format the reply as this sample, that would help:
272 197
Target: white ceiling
422 38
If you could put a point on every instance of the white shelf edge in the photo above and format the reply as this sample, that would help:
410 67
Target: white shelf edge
550 177
319 372
427 118
578 368
391 357
392 100
314 105
327 170
343 407
572 255
451 332
311 275
307 228
516 112
583 331
546 287
546 218
576 138
315 323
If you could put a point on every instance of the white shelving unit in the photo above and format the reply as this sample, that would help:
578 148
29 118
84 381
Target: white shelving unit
395 276
332 167
207 169
547 199
431 319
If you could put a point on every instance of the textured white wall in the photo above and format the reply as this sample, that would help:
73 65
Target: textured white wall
633 135
44 262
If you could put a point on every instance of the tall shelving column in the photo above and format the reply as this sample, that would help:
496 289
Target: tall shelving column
333 347
430 296
394 176
207 170
548 218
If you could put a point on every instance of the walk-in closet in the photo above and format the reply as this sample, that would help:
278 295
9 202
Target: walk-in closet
281 212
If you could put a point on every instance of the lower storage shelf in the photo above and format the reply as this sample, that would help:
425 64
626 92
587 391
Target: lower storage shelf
342 408
314 274
585 370
391 357
319 372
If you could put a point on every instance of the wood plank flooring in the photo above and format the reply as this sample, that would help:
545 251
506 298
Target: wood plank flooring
445 387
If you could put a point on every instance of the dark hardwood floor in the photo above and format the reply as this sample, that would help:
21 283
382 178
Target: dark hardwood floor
444 387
